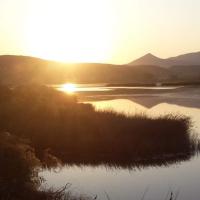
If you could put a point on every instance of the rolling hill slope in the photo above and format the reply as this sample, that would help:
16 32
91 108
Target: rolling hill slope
22 70
182 60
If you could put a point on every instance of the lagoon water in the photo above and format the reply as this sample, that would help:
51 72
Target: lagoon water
154 183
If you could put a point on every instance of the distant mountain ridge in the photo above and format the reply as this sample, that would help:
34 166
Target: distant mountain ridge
181 60
23 69
16 70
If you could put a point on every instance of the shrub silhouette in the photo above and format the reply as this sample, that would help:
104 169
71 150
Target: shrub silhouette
19 179
18 174
75 131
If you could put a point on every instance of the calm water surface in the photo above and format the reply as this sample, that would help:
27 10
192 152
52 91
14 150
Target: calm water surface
155 182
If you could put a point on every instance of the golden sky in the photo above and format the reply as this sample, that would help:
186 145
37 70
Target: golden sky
108 31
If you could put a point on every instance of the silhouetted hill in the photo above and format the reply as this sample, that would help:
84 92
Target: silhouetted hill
150 59
187 59
184 60
185 72
23 69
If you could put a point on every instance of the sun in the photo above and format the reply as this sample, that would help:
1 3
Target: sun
74 31
69 88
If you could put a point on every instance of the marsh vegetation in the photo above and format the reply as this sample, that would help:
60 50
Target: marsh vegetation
41 127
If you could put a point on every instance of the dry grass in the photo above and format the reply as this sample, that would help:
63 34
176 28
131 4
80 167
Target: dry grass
58 128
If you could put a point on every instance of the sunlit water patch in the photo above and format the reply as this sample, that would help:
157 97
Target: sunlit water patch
124 184
76 88
131 184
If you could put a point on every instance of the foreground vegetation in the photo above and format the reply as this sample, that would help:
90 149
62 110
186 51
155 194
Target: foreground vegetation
19 178
41 127
70 130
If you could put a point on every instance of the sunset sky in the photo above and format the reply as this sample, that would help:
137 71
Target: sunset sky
108 31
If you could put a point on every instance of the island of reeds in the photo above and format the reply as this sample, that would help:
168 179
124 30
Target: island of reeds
41 127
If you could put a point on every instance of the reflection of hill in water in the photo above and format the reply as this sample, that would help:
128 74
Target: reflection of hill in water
186 96
186 100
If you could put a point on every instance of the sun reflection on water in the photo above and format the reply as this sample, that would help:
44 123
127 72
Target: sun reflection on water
69 88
